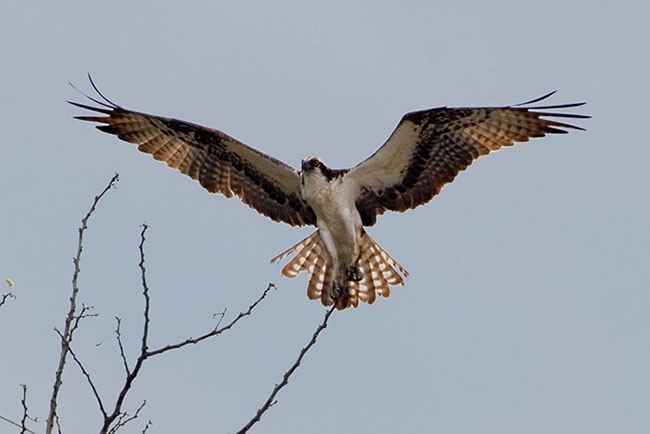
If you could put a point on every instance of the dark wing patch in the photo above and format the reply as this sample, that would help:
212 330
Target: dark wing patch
429 148
219 162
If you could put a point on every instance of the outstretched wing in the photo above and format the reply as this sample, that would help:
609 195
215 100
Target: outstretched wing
219 162
428 149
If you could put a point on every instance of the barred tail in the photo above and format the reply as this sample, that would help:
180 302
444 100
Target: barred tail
311 257
379 271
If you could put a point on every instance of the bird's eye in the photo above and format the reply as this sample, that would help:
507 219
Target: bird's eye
315 163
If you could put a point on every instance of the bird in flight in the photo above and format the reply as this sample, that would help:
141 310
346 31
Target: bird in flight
427 149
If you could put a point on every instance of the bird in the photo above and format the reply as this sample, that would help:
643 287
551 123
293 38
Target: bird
427 149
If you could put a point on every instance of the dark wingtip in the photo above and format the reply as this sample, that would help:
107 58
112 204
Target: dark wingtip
558 106
92 83
559 115
551 124
106 128
88 107
106 103
534 110
533 101
554 106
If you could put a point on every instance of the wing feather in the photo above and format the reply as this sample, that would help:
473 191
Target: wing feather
219 162
429 148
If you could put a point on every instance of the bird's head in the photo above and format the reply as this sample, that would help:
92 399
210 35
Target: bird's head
314 168
316 171
311 163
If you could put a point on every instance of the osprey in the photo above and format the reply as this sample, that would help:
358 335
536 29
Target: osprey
427 150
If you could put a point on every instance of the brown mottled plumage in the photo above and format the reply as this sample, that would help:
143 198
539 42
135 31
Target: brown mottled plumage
427 150
220 163
430 147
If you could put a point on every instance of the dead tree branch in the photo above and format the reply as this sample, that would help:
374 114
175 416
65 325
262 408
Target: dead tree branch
72 320
115 417
88 379
5 296
285 379
215 331
23 422
118 418
16 424
118 337
26 416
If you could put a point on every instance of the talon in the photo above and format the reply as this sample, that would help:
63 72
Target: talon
353 274
336 292
339 295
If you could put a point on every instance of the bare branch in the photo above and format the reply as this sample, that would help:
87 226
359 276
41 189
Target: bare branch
216 331
5 297
88 378
23 401
285 379
23 422
221 316
58 424
26 416
118 336
145 291
117 418
15 424
117 414
146 427
85 313
69 328
124 418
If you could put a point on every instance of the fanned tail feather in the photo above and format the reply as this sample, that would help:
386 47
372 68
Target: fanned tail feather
379 273
297 248
311 257
378 268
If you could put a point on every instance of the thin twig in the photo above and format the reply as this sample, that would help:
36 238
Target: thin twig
145 291
146 427
216 331
68 330
88 378
131 375
118 336
5 297
23 401
58 424
124 418
26 416
285 379
16 424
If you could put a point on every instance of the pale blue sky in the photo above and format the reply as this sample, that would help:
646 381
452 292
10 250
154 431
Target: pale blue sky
527 308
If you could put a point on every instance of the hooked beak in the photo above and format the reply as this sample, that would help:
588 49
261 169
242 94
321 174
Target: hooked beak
307 165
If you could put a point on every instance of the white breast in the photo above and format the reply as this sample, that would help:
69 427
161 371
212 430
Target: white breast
333 203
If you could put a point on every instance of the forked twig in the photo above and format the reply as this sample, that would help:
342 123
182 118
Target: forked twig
26 416
5 296
215 331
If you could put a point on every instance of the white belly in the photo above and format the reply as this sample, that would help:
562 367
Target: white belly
337 219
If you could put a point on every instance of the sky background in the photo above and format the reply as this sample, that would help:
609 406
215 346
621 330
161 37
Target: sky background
527 308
